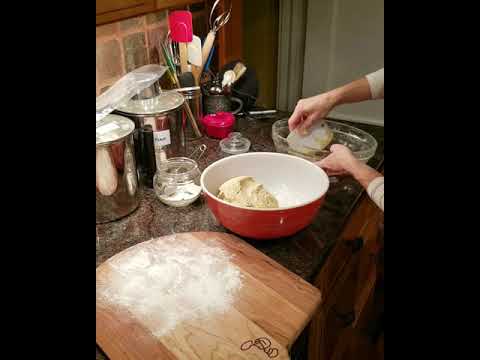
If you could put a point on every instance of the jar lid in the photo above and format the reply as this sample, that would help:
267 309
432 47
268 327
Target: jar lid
164 102
235 144
220 119
113 128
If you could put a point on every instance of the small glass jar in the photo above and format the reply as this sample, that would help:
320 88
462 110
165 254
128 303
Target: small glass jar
177 182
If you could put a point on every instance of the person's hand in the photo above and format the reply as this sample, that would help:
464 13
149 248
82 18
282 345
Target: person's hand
308 110
340 161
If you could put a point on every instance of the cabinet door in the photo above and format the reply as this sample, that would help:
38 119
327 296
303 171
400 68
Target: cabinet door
330 329
113 10
347 282
349 243
337 330
369 270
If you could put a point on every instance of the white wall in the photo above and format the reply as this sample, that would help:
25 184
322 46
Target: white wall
344 41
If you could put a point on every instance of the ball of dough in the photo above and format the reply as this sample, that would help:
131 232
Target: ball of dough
317 139
246 192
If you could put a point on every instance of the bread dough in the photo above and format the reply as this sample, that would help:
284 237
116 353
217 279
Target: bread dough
246 192
317 139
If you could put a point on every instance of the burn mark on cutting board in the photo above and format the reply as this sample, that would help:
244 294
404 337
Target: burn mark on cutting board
263 344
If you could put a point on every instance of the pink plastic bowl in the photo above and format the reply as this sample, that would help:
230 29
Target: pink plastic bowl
218 125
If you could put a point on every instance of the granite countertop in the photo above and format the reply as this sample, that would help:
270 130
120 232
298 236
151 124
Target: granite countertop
303 253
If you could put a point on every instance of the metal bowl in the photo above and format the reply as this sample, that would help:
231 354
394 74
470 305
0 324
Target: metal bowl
362 144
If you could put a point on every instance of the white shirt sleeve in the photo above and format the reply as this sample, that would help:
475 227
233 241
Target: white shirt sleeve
376 191
376 82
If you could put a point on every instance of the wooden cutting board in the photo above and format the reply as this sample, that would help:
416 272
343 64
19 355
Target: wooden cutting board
269 311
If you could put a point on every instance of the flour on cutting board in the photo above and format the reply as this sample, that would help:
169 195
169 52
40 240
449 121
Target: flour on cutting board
163 283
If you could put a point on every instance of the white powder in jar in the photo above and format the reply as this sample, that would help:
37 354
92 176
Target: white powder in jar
179 196
163 283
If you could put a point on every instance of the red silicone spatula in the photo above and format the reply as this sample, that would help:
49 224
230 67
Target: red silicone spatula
181 31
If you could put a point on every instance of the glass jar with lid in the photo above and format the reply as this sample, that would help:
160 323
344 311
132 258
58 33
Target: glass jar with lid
177 181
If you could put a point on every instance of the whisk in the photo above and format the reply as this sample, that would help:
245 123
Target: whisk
215 25
220 20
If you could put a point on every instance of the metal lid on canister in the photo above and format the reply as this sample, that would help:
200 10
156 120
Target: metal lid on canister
162 103
113 128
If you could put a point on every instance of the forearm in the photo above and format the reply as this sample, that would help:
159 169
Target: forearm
356 91
363 173
370 179
367 88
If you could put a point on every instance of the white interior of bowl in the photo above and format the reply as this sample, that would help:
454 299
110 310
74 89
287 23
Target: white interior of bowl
293 181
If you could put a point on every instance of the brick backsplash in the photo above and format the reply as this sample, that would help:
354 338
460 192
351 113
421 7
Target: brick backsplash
127 45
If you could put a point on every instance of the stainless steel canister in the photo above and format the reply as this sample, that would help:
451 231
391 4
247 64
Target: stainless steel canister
117 190
164 114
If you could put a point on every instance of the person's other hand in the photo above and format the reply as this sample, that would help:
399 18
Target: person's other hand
308 110
340 161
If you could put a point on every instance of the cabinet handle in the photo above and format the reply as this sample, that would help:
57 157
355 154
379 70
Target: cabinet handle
347 318
377 255
355 244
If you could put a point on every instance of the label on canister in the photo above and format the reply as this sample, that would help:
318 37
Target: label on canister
161 138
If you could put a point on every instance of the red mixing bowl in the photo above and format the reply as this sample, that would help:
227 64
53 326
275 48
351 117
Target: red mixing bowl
299 186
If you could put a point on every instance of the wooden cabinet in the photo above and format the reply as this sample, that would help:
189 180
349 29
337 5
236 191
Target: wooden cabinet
114 10
348 282
230 37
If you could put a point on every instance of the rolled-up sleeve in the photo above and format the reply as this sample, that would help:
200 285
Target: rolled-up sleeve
376 191
376 82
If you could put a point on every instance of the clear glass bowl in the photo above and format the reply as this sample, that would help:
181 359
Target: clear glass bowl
362 144
177 182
